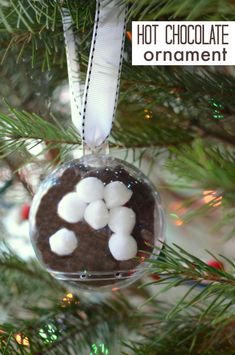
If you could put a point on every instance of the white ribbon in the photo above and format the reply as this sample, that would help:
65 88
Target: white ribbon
93 111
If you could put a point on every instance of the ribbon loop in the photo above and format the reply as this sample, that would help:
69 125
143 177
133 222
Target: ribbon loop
93 115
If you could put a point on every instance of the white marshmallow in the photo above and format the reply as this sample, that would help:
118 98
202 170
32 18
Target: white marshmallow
122 247
116 194
90 189
63 242
96 214
122 220
71 208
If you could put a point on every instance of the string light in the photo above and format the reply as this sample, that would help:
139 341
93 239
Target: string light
210 197
69 299
179 222
177 207
21 339
148 114
114 289
217 109
49 333
99 349
129 35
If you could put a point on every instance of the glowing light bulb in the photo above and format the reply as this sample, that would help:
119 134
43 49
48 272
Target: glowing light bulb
21 339
210 197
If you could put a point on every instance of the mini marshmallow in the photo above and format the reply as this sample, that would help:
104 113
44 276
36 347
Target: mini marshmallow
71 208
122 247
96 214
63 242
90 189
116 194
122 220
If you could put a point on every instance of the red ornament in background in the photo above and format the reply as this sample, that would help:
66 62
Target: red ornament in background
215 264
155 277
24 213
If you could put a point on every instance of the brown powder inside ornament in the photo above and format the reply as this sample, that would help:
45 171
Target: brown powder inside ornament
91 264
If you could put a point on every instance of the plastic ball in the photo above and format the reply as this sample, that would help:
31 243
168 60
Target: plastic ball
96 245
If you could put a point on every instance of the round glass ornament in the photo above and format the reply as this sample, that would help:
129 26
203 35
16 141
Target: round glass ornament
106 248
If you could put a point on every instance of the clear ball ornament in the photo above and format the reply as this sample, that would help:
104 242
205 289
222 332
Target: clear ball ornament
95 221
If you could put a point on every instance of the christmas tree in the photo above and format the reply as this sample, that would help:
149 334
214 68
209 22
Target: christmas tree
174 123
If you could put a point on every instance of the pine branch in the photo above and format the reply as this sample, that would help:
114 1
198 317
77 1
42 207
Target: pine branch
186 334
179 267
208 167
202 322
27 277
72 323
65 327
173 9
20 128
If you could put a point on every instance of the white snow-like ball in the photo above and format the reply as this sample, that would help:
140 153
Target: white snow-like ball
63 242
122 220
122 247
96 214
116 194
90 189
71 208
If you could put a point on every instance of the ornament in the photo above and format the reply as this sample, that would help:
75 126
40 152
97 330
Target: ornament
92 216
215 264
25 212
121 219
155 277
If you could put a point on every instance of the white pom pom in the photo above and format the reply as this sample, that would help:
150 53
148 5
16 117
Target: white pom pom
116 194
122 220
96 214
122 247
71 208
63 242
90 189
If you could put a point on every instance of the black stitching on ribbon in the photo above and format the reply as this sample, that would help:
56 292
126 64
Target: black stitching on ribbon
91 64
119 74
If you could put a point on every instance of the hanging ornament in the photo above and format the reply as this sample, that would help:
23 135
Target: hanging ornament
25 208
215 264
92 217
